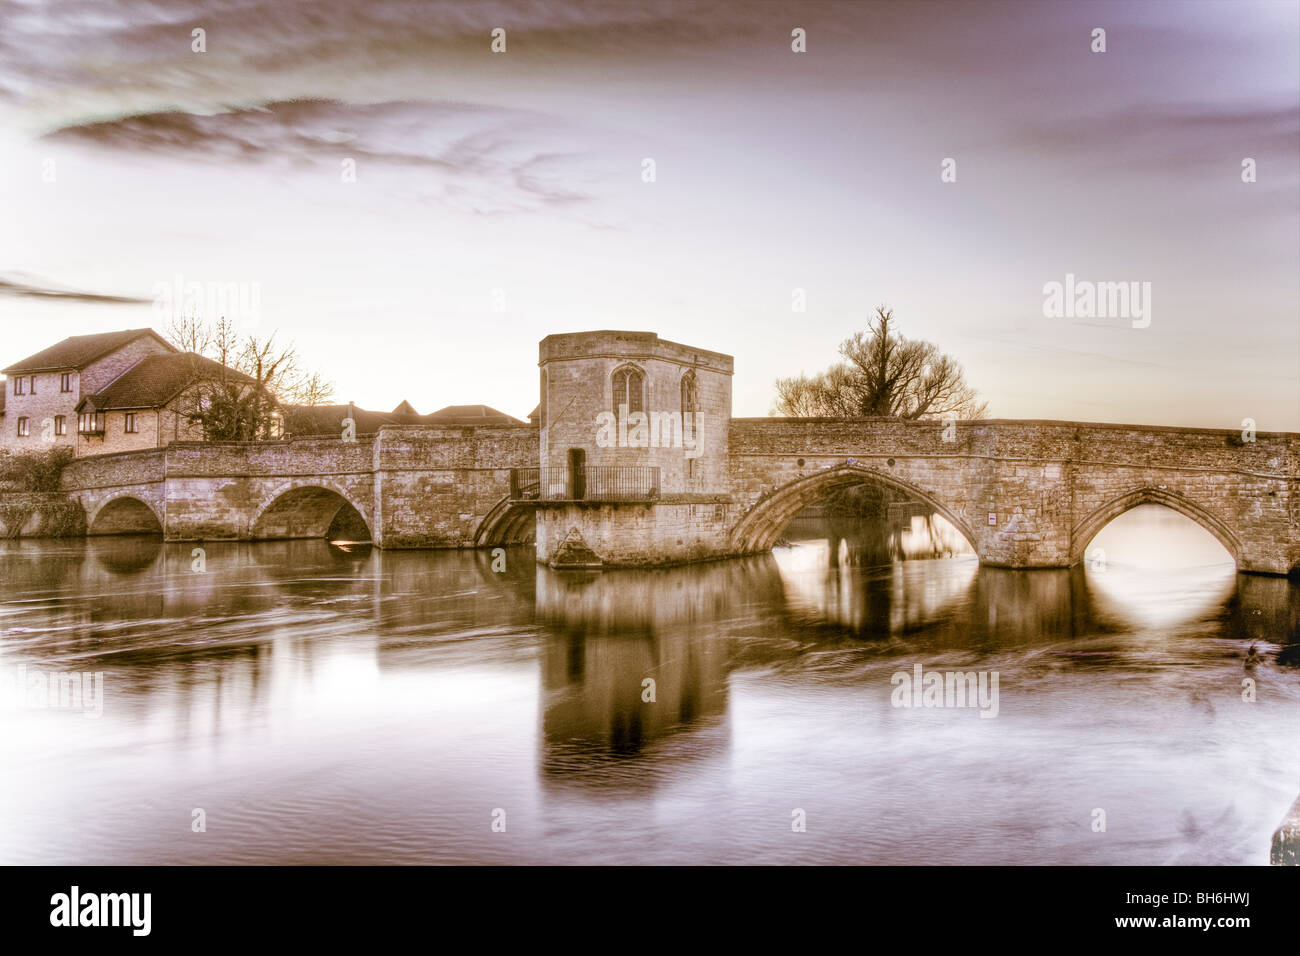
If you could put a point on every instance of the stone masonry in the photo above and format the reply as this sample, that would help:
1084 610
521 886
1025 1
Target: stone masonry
1026 494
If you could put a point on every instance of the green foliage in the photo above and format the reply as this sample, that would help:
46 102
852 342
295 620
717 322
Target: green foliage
229 411
14 516
30 486
35 470
61 519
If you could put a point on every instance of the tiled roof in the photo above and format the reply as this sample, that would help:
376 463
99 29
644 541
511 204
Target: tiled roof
471 415
328 419
78 351
156 379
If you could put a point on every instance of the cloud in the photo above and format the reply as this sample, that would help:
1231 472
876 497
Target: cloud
20 287
79 58
1165 135
484 159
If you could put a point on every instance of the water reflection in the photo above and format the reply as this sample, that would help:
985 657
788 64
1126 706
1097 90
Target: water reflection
357 705
632 658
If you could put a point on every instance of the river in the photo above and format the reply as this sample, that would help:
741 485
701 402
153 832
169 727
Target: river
299 702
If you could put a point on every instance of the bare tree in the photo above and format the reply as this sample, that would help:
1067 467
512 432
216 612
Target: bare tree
190 334
883 373
241 383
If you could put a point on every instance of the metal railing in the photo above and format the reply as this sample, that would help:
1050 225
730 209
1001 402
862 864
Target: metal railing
587 483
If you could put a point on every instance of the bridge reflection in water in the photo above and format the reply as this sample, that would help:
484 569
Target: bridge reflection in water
632 658
363 706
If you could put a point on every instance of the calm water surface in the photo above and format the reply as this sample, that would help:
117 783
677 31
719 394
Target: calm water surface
331 706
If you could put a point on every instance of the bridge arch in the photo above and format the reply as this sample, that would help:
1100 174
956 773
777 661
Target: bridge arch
760 527
124 513
509 522
304 509
1081 534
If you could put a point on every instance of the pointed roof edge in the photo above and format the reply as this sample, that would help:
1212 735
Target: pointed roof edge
78 351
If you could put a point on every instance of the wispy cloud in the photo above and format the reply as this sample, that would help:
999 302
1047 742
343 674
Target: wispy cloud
489 159
1123 136
21 286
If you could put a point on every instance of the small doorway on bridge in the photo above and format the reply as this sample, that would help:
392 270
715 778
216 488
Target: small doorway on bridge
577 473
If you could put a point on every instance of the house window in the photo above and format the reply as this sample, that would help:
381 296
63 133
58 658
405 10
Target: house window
60 425
22 427
91 423
20 386
629 389
33 384
65 382
131 428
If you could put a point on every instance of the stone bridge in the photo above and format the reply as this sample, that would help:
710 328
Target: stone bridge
1025 494
416 487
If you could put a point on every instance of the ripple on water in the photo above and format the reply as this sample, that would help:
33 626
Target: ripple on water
380 706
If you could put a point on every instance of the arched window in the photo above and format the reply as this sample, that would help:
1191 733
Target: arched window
690 418
690 395
629 389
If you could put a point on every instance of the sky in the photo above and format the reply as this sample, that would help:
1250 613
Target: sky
502 196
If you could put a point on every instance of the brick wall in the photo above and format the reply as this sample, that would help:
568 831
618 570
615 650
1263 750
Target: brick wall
49 401
46 403
98 374
436 484
111 471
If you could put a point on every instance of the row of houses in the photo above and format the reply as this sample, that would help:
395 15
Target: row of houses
127 390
